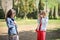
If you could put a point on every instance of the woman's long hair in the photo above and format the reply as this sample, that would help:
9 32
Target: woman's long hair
42 13
9 13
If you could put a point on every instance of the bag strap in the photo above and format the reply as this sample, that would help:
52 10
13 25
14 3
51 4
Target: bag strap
40 24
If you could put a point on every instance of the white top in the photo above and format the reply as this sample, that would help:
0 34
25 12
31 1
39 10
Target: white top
44 23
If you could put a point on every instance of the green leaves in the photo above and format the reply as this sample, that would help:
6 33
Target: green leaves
51 3
26 6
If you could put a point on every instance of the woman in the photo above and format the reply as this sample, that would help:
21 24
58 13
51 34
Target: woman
11 24
42 23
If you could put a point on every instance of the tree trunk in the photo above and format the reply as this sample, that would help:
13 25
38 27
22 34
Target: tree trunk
6 5
57 12
58 9
25 17
52 12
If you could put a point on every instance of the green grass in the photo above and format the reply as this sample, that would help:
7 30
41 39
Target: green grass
51 31
2 20
27 22
33 22
54 21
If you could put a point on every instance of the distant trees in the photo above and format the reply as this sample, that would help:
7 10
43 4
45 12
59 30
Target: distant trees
2 15
28 8
53 5
25 7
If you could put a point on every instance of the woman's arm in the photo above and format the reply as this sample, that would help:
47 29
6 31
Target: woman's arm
10 23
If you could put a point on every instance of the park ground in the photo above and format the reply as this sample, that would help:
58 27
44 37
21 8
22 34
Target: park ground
27 28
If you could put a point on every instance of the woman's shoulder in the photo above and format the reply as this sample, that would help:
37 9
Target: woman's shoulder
8 18
46 17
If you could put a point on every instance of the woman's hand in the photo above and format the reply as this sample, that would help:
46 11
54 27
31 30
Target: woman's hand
37 29
15 22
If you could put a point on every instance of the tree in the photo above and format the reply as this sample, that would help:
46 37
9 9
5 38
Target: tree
26 6
52 4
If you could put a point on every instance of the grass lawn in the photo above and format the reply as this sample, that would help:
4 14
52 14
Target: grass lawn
28 22
53 29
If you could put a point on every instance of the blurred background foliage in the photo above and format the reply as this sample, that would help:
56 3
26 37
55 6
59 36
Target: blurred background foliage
28 8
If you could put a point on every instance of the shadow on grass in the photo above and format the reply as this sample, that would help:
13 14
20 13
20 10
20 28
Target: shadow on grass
30 35
53 34
27 35
3 37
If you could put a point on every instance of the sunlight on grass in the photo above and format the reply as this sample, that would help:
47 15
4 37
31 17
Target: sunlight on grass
52 30
54 21
28 22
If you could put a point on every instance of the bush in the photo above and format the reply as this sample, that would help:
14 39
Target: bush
2 15
32 15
